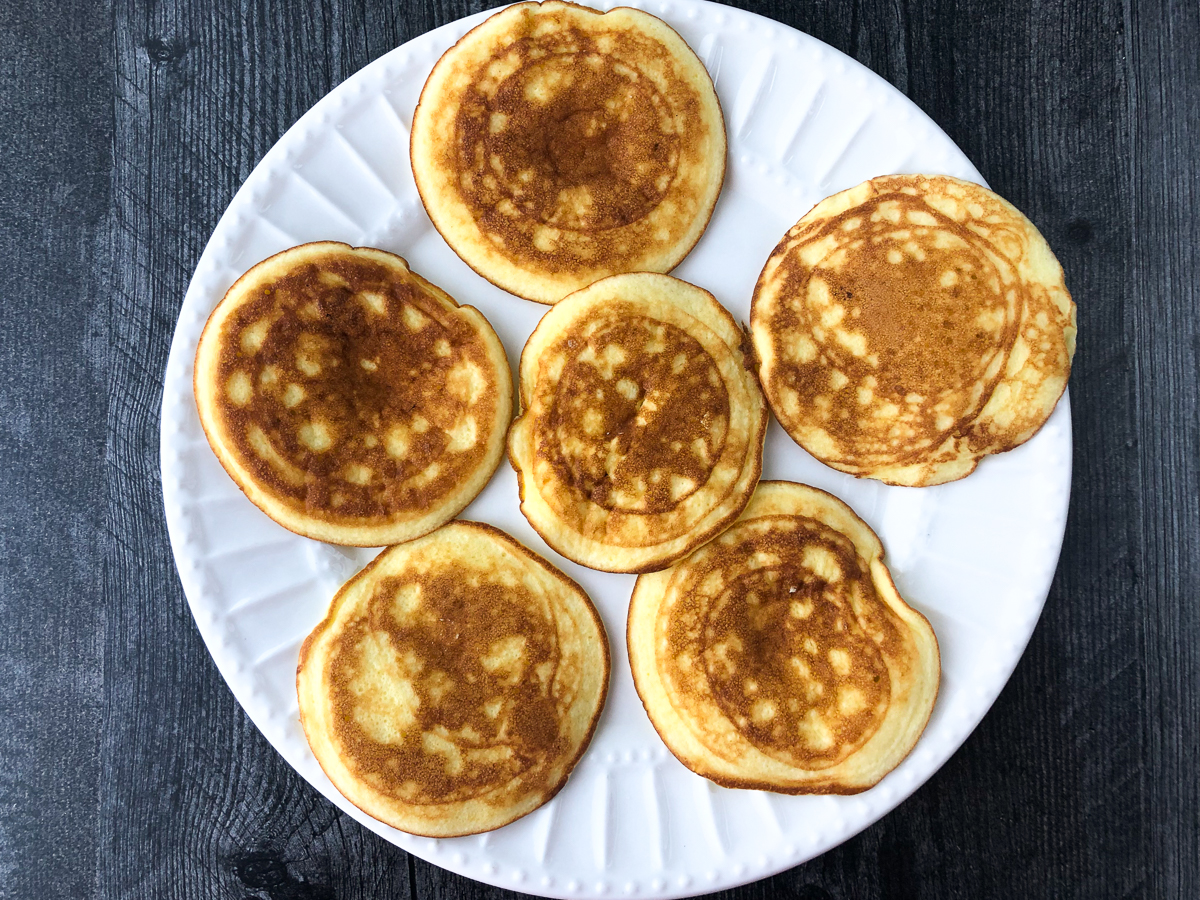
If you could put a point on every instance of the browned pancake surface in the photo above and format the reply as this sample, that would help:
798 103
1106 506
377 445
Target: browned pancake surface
456 651
351 393
656 395
780 656
554 145
454 683
641 430
787 657
911 325
605 135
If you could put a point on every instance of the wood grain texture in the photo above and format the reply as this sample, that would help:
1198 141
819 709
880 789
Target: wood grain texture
130 771
1164 99
54 156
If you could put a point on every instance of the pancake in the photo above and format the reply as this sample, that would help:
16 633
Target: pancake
454 683
780 656
350 399
910 326
554 145
641 430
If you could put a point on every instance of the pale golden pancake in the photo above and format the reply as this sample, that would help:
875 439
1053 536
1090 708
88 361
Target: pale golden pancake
910 326
554 145
780 656
641 427
350 399
454 683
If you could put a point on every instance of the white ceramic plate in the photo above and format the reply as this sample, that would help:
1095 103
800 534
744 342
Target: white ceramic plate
976 557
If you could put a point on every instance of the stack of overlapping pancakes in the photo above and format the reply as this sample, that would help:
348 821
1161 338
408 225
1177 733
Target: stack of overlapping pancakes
911 325
454 682
641 430
554 145
350 399
780 656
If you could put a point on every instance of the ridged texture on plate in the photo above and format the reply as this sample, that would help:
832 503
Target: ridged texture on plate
911 325
641 427
780 656
454 683
350 399
554 145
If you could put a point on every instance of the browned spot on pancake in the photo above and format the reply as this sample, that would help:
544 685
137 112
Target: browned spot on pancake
783 620
587 144
638 416
485 689
353 390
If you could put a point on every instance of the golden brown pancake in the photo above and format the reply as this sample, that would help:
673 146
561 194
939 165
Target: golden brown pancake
554 145
780 656
642 424
350 399
911 325
454 683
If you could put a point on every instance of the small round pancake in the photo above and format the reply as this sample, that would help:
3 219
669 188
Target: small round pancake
350 399
454 683
642 425
554 145
780 657
911 325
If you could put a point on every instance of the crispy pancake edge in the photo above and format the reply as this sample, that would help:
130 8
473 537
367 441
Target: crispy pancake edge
207 359
310 643
676 734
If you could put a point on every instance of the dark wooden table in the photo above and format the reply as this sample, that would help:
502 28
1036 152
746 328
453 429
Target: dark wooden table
126 767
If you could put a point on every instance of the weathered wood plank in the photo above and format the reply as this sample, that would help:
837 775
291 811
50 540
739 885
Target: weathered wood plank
1164 97
55 119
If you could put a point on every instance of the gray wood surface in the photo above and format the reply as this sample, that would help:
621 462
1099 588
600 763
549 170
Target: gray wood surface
130 771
